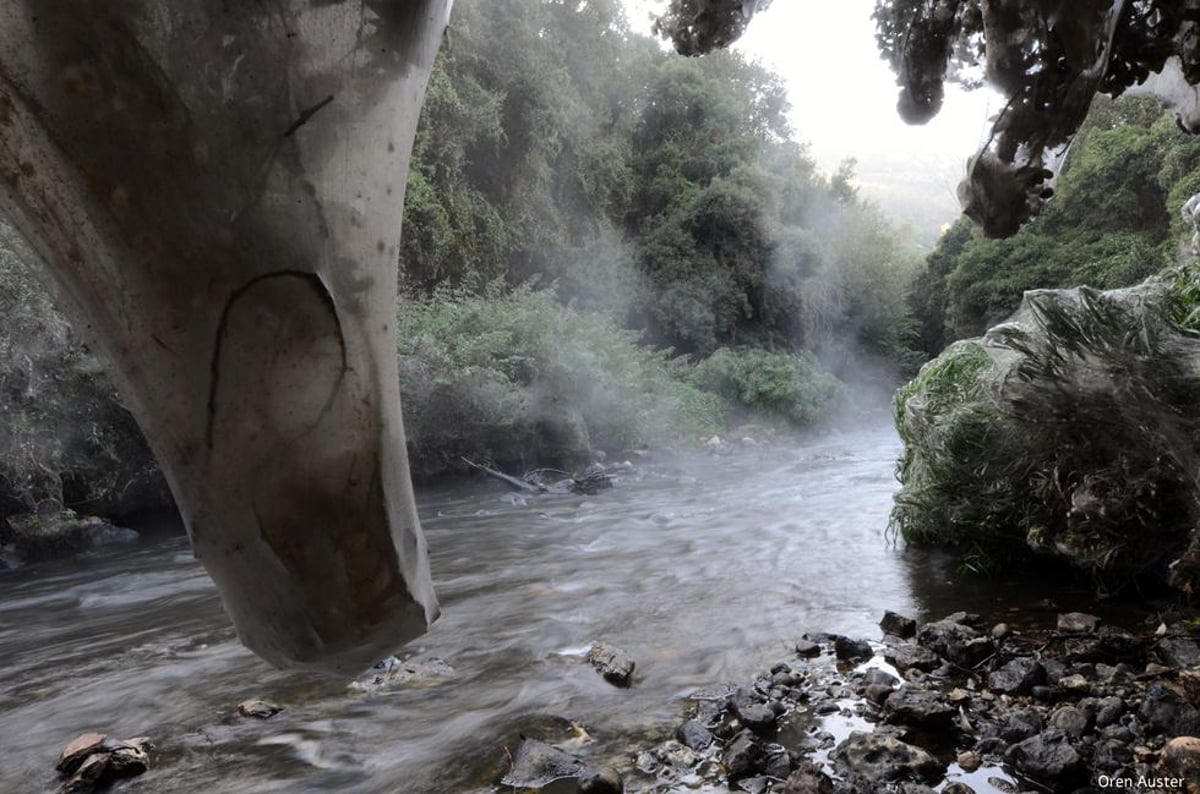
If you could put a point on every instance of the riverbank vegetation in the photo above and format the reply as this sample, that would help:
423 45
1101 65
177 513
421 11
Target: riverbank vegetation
605 247
1065 429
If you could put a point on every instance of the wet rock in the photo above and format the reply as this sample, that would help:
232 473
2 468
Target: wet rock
969 761
1178 652
1077 623
693 734
49 534
878 693
910 656
918 709
613 663
258 709
873 758
1022 724
604 780
1109 644
847 649
1181 759
779 761
808 779
95 760
958 788
1108 711
755 716
412 672
759 784
1017 677
1048 758
1165 710
536 764
77 751
743 756
955 641
898 625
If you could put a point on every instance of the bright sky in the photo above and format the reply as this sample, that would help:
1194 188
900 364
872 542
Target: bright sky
843 95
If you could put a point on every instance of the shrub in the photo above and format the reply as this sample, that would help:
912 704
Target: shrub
786 385
517 378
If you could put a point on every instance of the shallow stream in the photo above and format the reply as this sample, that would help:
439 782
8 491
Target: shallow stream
705 568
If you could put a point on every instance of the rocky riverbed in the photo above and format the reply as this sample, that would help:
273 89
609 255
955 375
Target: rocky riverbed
956 705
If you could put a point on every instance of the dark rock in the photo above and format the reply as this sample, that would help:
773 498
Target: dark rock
874 758
604 780
1077 623
877 676
1022 724
1017 677
1109 755
743 756
878 693
1109 644
1108 711
259 709
536 764
955 641
918 709
958 788
416 673
1048 758
808 779
1178 652
78 749
898 625
693 734
49 534
759 784
94 761
613 663
779 761
909 656
1166 711
755 716
847 649
807 648
1073 722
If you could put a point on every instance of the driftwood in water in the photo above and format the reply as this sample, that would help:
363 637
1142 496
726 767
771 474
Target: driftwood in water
499 475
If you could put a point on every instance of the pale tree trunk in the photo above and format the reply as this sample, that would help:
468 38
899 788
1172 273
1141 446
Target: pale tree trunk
216 190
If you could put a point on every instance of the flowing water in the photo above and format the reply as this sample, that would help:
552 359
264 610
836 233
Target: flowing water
706 569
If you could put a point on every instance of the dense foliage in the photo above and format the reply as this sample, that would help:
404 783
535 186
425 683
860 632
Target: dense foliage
559 150
1070 430
1114 221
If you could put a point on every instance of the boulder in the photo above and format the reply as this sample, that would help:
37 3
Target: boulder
94 760
918 709
1017 677
808 779
873 759
1077 623
536 764
258 709
1049 759
694 734
847 649
955 641
613 663
46 535
1181 759
898 625
743 756
909 656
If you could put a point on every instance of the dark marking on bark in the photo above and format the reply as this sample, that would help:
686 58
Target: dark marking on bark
305 115
318 286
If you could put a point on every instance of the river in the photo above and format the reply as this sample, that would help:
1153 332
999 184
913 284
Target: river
705 568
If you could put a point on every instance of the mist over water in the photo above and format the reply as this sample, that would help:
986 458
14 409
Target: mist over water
706 569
